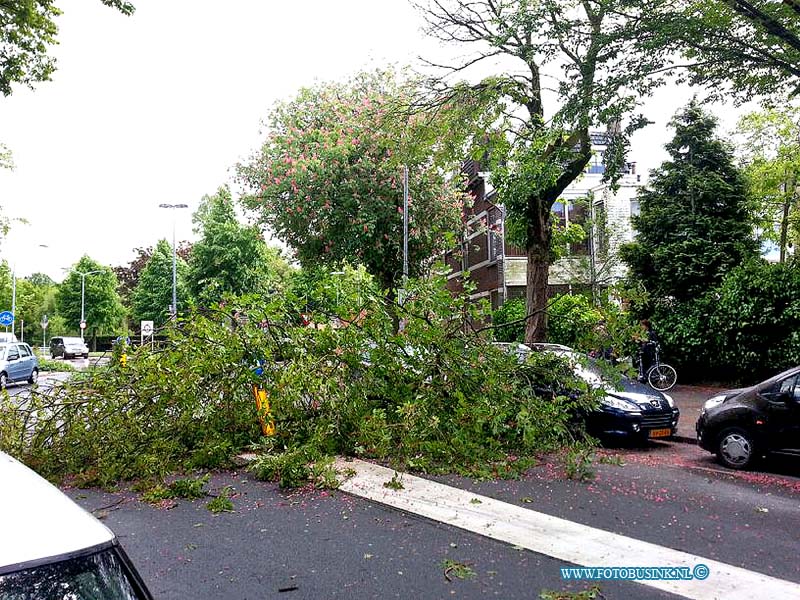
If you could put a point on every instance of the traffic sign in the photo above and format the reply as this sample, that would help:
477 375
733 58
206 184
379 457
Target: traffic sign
83 324
6 318
44 321
147 328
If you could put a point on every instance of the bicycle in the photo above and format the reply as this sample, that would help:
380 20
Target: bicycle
660 376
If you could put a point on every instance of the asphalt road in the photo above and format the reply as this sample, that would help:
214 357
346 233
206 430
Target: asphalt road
674 495
313 544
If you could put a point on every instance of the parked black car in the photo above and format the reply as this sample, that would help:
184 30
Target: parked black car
630 409
742 425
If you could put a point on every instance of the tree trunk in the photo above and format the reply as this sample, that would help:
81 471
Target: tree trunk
784 229
536 297
538 270
789 197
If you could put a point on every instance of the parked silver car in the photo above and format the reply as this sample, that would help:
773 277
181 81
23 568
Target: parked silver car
18 363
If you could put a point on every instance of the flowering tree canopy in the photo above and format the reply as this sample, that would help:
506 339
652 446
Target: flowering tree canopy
329 177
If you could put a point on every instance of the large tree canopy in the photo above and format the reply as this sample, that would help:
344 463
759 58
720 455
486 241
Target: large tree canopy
102 307
567 67
129 275
750 47
694 224
329 178
152 296
230 258
771 152
27 29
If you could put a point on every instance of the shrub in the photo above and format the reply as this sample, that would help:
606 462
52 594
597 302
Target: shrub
746 329
511 311
50 365
571 320
222 503
756 320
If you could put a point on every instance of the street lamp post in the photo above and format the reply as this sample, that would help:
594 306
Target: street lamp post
14 291
83 292
174 306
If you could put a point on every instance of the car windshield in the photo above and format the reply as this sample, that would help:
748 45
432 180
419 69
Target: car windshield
99 576
586 368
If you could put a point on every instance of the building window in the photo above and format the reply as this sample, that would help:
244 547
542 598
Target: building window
596 164
635 209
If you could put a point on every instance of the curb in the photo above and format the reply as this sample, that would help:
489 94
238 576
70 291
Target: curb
683 439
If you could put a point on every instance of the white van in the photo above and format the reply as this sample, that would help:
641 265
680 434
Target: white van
52 548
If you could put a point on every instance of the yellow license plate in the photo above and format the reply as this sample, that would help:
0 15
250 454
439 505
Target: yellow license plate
666 432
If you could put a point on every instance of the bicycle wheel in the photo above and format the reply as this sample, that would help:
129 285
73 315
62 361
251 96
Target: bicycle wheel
662 377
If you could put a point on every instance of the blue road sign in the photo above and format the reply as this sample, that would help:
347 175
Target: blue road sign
6 318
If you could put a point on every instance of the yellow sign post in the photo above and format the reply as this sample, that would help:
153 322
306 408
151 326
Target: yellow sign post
262 404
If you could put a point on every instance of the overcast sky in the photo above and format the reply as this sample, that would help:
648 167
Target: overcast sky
158 107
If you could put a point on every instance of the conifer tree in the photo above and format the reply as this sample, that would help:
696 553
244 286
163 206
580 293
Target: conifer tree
694 224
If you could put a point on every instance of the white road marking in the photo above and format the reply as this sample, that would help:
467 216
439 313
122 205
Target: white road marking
565 540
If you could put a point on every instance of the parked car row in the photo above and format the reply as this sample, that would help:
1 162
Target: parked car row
739 426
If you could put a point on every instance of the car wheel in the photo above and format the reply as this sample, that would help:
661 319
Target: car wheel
34 377
3 381
735 448
85 356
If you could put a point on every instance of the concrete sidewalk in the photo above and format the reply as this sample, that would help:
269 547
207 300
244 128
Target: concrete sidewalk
690 399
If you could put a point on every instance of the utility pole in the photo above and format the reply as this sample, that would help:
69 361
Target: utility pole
405 224
83 295
173 309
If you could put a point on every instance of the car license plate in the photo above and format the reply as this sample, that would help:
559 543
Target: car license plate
665 432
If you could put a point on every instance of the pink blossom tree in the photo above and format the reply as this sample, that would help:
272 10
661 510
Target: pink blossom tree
328 180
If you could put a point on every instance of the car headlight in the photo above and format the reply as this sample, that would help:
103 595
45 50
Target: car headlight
714 401
620 404
669 400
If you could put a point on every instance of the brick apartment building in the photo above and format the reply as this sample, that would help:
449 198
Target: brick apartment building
498 268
